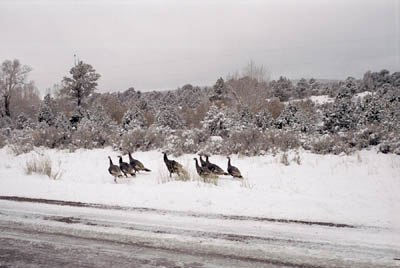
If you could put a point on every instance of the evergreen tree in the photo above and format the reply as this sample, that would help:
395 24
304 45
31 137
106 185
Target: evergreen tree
168 117
133 119
76 116
82 83
294 118
302 88
287 119
246 118
98 116
341 115
46 113
395 79
62 122
264 119
282 88
370 109
22 121
219 87
216 122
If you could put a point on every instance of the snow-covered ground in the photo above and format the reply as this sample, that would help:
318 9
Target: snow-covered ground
322 99
361 189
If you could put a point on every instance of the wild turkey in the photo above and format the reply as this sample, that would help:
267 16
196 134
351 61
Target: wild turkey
204 172
136 164
202 162
114 170
173 166
234 171
126 168
214 168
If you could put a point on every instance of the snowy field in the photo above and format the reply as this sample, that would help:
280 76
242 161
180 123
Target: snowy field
361 189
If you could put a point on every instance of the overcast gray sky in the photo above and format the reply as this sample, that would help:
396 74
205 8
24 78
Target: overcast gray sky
166 44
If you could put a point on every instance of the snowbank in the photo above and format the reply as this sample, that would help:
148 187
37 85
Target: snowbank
360 189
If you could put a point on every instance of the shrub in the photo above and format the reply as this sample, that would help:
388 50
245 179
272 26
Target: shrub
51 137
43 165
284 159
133 140
248 142
89 135
3 140
282 140
21 148
20 142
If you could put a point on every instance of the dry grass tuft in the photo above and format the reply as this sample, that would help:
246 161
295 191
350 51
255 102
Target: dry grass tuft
44 166
20 148
284 159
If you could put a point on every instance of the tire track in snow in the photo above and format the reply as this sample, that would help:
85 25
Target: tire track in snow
172 212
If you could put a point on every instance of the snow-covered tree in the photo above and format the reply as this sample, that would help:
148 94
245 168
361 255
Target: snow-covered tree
46 113
76 116
282 88
133 119
288 118
62 122
189 96
216 122
395 79
98 115
341 115
370 109
294 118
246 118
168 117
390 99
22 121
314 84
82 83
301 89
12 76
263 119
219 86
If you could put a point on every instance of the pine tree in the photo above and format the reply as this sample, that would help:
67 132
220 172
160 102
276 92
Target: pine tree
46 113
76 116
168 117
287 118
216 122
342 115
246 118
295 118
82 83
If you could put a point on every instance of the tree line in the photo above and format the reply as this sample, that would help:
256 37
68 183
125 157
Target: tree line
243 113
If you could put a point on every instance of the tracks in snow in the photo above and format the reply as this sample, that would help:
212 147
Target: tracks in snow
171 212
221 240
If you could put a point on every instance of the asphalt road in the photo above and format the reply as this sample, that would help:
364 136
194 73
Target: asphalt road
46 233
